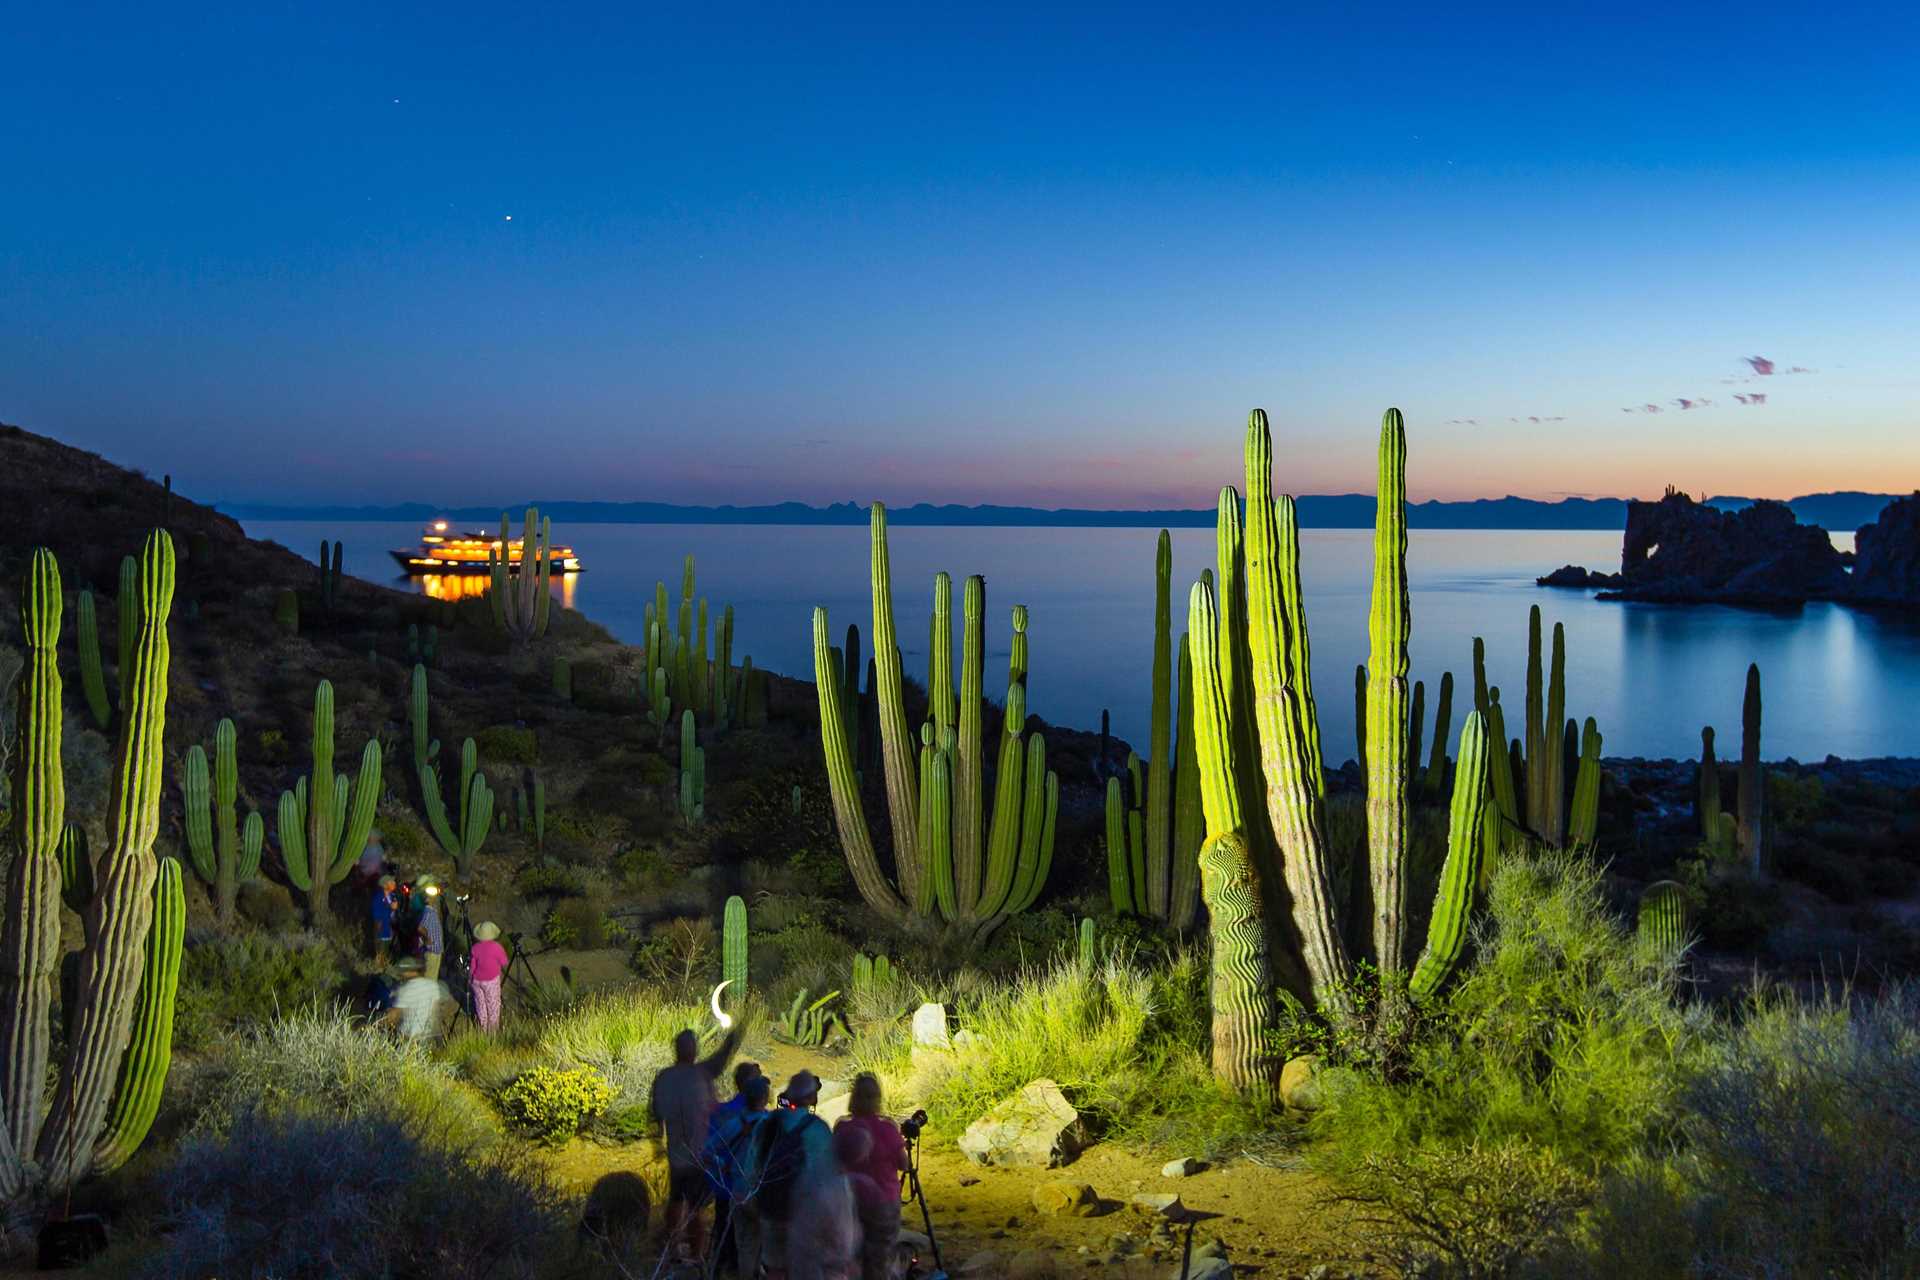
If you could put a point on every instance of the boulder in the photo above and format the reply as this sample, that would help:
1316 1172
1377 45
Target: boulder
1036 1128
1184 1167
1886 559
1076 1199
1573 575
1162 1204
1299 1083
930 1027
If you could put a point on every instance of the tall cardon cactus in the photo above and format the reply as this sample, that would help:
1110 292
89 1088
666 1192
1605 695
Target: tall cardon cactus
946 857
1753 779
226 852
473 808
325 819
110 1058
733 945
521 601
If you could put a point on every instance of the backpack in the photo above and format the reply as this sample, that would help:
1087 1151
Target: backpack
779 1156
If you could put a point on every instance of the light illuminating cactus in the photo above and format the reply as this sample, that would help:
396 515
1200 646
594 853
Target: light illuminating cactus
733 945
110 1056
1087 938
473 801
1663 915
1583 819
1531 797
937 797
143 1072
521 601
1245 848
226 853
324 821
871 972
1153 846
93 679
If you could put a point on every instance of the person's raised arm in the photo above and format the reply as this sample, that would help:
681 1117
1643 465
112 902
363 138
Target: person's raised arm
715 1065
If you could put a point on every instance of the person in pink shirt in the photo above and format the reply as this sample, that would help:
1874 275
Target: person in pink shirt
875 1176
488 960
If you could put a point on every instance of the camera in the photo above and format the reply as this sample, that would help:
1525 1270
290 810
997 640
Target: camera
910 1127
783 1101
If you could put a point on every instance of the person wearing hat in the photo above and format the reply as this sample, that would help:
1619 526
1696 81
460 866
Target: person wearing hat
487 961
420 1003
788 1174
432 934
380 916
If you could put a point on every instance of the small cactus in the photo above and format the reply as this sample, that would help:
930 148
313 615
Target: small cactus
1663 915
693 774
733 945
1086 943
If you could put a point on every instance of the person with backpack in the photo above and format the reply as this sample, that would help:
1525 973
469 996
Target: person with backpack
735 1242
789 1166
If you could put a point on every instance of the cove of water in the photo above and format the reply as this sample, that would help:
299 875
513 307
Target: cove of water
1835 681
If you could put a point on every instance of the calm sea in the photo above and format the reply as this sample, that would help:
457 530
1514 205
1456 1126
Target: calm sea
1835 680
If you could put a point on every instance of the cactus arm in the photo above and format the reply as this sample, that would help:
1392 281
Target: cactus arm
969 796
1709 787
194 794
76 868
30 932
1049 816
93 681
1360 716
359 821
1003 838
940 656
1155 889
1554 742
1029 870
1292 800
226 798
436 812
543 593
143 1072
1442 722
1388 628
896 748
936 815
479 821
1293 612
1119 868
127 610
293 840
1188 825
1583 824
117 921
1244 1011
1752 799
1534 734
253 837
856 841
1460 874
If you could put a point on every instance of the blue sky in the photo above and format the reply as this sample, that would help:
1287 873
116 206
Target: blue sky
476 252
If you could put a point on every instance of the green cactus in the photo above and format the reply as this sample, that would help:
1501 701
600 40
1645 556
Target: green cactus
1360 716
127 608
329 575
521 601
1583 821
871 973
1709 802
693 774
475 803
1416 727
941 861
93 679
1554 828
810 1025
562 679
1663 915
143 1072
1388 628
1725 840
1436 776
1753 781
76 868
659 704
424 746
286 611
723 670
117 912
1460 874
1534 793
733 945
1086 956
324 823
226 853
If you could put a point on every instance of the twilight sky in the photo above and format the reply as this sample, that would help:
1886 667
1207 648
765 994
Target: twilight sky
703 253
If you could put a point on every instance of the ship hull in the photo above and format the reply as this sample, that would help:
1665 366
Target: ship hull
409 562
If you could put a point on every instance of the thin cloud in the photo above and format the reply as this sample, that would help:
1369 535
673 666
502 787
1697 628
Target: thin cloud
1685 403
1800 368
1756 397
1761 365
1538 420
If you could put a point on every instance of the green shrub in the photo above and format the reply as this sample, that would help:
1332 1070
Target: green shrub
231 984
575 923
501 744
553 1105
625 1037
1735 911
643 868
547 879
1794 802
677 955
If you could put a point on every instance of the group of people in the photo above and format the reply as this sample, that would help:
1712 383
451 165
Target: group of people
792 1198
418 1004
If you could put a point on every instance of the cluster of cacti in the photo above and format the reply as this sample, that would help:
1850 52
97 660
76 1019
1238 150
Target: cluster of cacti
330 553
1433 777
286 610
733 945
659 704
521 601
1534 793
1753 779
1153 844
422 645
324 823
562 679
1264 804
226 852
530 808
810 1024
693 773
686 668
119 1020
473 802
1663 915
871 972
946 858
93 679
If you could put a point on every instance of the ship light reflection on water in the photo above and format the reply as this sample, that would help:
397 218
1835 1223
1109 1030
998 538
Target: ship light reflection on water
474 586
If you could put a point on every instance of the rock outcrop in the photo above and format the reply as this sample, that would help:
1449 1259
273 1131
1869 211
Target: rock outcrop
1682 551
1886 564
1036 1128
1575 575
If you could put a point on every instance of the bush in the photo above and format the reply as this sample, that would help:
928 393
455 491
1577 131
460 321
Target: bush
677 955
575 923
232 984
319 1195
502 744
626 1038
546 879
552 1106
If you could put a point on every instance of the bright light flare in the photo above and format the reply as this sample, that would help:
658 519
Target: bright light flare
720 1015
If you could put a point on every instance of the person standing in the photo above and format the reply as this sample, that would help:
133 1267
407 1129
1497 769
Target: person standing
420 1004
380 916
789 1175
432 934
877 1174
487 965
682 1102
736 1236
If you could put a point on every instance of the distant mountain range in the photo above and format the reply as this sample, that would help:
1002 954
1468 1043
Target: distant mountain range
1841 511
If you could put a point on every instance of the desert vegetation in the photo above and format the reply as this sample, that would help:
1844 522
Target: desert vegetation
1477 999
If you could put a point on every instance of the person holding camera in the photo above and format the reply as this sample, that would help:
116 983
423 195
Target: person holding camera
787 1176
876 1176
432 934
487 961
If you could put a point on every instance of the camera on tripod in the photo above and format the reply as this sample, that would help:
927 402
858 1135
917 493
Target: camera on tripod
910 1127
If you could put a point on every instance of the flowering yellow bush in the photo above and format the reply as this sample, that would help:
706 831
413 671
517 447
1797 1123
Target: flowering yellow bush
551 1105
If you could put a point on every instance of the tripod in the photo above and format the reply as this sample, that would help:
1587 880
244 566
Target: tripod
916 1192
518 974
